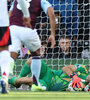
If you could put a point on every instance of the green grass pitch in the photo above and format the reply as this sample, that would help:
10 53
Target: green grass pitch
27 95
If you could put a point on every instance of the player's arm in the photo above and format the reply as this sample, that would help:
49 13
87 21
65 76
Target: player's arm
75 68
50 13
70 71
26 14
48 9
17 82
24 8
11 8
24 80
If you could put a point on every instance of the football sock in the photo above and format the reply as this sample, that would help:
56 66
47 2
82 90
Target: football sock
12 66
35 68
5 63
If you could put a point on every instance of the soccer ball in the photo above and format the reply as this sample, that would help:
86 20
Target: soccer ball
70 88
87 87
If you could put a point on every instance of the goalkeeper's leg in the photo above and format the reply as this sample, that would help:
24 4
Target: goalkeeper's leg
26 70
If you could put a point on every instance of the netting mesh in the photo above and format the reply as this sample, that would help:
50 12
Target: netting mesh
72 33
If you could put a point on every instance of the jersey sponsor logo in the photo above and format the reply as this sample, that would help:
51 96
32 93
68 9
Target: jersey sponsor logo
27 3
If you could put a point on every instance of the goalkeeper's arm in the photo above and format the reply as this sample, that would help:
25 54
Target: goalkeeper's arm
69 69
75 68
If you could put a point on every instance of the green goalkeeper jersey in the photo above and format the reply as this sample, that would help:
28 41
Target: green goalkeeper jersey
58 80
52 79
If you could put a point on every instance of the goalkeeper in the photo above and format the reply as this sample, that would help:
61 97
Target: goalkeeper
53 80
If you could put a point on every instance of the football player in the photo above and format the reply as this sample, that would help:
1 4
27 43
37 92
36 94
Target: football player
54 80
5 41
28 36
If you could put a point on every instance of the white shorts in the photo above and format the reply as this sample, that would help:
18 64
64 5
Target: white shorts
23 35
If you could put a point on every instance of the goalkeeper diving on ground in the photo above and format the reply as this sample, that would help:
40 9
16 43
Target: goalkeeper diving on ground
71 77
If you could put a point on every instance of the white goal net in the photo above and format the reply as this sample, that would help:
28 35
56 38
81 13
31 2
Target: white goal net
72 35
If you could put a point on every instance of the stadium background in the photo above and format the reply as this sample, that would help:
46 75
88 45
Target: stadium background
80 39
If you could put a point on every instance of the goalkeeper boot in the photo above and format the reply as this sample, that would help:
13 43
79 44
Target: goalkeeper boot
4 86
36 88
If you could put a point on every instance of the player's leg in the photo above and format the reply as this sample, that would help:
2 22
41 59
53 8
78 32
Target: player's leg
44 73
17 33
15 46
15 81
5 40
21 79
24 72
36 66
26 68
33 43
44 86
31 40
44 78
5 68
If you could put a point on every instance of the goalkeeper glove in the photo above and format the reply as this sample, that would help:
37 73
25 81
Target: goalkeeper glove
76 81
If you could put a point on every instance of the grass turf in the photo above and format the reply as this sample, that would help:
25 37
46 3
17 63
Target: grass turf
19 95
